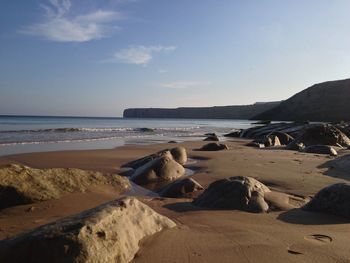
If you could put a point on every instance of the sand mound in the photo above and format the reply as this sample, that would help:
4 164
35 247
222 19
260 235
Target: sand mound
333 199
107 233
241 193
20 184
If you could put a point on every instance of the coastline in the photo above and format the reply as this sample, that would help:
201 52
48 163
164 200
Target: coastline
206 235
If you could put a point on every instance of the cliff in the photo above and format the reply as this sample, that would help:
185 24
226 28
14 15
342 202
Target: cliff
327 101
217 112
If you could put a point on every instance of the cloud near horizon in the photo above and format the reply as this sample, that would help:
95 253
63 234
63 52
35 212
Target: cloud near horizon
58 25
185 84
138 54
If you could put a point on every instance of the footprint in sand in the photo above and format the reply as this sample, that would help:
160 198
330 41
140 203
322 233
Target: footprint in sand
319 239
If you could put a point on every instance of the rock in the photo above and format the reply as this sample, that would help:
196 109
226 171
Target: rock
256 144
108 233
214 147
333 199
212 139
161 169
178 154
324 134
210 134
271 141
241 193
21 184
144 130
322 149
172 141
283 137
262 122
234 134
296 146
181 188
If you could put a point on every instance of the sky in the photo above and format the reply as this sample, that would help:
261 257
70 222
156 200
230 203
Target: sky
98 57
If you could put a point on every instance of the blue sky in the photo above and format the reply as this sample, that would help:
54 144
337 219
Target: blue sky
97 57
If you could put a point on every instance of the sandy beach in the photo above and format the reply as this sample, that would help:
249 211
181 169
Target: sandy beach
285 234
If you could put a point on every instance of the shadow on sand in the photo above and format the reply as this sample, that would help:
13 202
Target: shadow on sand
338 168
302 217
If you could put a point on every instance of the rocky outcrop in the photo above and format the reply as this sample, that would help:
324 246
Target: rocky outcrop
324 134
284 138
107 233
327 101
334 199
181 188
21 184
219 112
241 193
321 149
234 134
179 154
161 169
213 147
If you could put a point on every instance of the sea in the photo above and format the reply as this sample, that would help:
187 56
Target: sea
24 134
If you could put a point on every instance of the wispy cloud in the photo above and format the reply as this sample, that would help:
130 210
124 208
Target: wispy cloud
138 55
60 25
185 84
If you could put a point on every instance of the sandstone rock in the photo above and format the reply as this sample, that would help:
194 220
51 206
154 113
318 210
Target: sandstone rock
181 188
333 199
322 149
283 137
241 193
214 147
21 184
211 139
108 233
178 154
271 141
324 134
161 169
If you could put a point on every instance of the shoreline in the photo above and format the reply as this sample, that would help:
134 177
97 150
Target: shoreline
204 235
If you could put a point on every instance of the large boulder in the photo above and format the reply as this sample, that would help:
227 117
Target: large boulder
321 149
161 169
108 233
178 154
284 138
333 199
214 147
324 134
241 193
21 184
181 188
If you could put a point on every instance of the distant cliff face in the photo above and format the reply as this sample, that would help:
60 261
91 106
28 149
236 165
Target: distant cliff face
327 101
219 112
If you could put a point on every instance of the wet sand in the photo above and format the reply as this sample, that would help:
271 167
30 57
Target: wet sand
287 235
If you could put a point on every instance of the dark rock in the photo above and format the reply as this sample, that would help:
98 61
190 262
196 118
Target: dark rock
241 193
333 199
181 188
321 149
214 147
324 134
212 139
271 141
266 122
234 134
210 134
144 130
172 141
256 144
296 146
